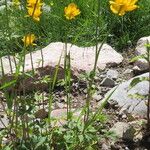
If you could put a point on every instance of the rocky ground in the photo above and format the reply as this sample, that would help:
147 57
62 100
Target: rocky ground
126 114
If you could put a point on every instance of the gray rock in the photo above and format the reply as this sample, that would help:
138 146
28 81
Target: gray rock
128 71
141 64
60 105
112 74
105 147
6 63
138 126
97 97
133 105
108 82
82 60
3 121
61 116
123 130
140 50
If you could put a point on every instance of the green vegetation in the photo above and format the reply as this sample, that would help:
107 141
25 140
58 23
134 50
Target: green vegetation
123 31
91 22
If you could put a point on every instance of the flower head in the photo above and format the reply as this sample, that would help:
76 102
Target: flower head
34 9
34 12
29 39
71 11
34 2
120 7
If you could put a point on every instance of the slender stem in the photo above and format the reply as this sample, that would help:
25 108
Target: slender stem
10 64
2 67
32 62
148 105
9 34
97 51
42 58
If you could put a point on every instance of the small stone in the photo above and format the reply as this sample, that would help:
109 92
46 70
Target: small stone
123 130
59 105
128 71
112 103
136 69
108 82
126 148
112 74
124 116
104 147
97 97
4 122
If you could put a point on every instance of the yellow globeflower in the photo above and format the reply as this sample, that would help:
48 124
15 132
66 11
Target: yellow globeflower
34 12
33 2
29 39
120 7
71 11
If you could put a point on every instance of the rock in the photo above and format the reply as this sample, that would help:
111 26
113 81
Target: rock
132 104
128 71
60 105
105 147
61 116
3 121
112 74
123 130
138 126
82 60
142 65
136 70
140 50
108 82
97 97
7 61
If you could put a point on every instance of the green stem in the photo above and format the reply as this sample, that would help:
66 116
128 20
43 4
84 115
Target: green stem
97 51
148 105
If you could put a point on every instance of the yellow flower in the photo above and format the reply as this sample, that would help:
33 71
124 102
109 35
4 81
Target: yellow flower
34 12
120 7
71 11
34 9
29 39
33 2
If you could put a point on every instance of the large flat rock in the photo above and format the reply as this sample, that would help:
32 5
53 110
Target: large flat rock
82 60
133 105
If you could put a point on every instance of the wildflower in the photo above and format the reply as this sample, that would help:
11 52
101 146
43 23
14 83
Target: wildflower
32 3
29 39
35 13
120 7
71 11
34 9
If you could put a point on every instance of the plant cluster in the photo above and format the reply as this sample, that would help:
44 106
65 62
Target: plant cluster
25 131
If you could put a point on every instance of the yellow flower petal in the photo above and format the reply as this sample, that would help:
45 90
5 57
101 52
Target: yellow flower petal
120 7
71 11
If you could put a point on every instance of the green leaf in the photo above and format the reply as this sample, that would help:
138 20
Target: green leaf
135 81
8 84
137 58
41 141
